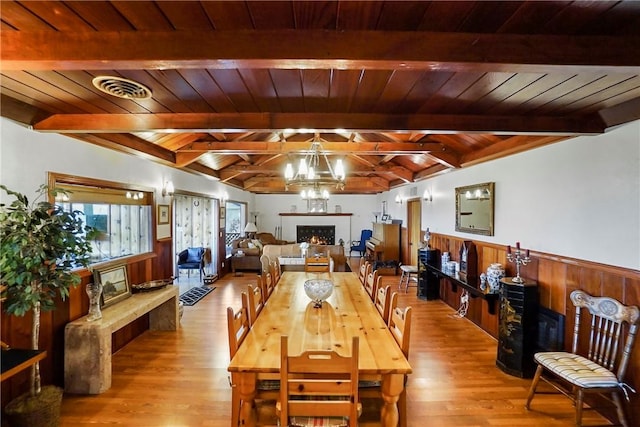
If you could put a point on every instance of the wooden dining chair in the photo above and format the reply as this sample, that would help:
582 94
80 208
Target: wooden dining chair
400 328
274 269
371 282
253 301
266 283
238 327
383 300
319 264
596 366
265 264
319 387
362 270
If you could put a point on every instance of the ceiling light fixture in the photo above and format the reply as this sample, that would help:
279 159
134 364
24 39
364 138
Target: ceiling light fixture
309 173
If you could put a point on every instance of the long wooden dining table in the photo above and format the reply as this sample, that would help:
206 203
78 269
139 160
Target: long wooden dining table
348 312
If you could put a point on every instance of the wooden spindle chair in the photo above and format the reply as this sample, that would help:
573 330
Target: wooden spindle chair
598 366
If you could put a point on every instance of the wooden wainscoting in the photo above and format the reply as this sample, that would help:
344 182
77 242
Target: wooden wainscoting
557 276
16 331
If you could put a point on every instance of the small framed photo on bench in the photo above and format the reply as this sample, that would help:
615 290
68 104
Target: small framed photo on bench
115 285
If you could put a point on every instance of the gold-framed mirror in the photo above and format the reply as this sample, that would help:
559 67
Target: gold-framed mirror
474 208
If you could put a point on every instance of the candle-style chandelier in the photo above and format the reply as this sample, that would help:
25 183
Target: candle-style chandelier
309 173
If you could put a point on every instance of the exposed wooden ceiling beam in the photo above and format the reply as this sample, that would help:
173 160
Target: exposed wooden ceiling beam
186 158
332 148
322 122
290 49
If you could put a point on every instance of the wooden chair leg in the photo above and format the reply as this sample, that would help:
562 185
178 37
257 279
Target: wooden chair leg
402 408
235 407
617 399
579 403
534 384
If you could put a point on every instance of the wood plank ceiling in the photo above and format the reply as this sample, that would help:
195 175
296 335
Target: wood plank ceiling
400 90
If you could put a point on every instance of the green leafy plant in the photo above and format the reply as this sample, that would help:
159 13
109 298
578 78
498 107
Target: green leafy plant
40 246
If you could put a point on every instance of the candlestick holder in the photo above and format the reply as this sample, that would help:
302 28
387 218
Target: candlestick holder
519 258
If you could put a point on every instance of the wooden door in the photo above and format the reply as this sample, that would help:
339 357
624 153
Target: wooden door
414 214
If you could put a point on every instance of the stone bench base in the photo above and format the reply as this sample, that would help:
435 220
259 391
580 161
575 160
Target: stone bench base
87 345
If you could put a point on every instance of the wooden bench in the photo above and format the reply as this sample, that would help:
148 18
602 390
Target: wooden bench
87 344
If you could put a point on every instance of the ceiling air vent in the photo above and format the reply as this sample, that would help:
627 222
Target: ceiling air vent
122 88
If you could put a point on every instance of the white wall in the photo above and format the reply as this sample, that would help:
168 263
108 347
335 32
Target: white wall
26 156
361 206
579 198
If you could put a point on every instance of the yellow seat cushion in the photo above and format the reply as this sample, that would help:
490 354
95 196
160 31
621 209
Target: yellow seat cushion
576 369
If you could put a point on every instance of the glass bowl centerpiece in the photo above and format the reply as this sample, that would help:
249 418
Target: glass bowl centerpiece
318 290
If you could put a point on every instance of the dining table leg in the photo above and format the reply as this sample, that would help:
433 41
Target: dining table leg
392 386
247 393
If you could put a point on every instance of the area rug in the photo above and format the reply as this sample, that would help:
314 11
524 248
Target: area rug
194 295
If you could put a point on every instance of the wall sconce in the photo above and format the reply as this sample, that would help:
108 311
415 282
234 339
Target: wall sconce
399 199
223 197
167 189
427 196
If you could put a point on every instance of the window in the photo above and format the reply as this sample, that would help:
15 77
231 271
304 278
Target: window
123 216
235 222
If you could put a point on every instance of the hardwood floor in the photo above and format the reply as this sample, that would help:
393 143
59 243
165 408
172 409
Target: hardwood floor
180 378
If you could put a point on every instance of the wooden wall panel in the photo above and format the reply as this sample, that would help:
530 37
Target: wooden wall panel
557 277
16 331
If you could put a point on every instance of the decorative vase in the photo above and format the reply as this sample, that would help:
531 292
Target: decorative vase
495 272
94 291
318 290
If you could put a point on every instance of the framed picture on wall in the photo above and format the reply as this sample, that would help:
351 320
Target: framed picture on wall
223 217
164 214
115 285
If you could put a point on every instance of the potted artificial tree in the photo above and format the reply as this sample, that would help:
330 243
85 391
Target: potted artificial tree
40 245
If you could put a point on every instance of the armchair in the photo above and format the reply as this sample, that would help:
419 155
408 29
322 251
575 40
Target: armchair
360 245
191 259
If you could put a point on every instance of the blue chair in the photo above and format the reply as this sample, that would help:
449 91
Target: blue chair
191 259
360 245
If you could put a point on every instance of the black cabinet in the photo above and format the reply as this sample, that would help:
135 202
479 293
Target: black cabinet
428 282
517 327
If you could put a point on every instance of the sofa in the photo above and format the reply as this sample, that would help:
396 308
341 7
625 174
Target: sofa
246 251
336 253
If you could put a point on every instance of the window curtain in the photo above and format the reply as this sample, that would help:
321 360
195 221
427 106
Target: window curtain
195 224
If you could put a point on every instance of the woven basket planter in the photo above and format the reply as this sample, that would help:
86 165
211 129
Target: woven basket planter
42 410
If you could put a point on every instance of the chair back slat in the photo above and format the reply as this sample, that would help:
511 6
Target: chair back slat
237 327
264 264
266 283
318 383
400 325
274 269
252 300
370 284
362 270
383 300
608 345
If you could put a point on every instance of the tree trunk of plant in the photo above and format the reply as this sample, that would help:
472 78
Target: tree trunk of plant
35 338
